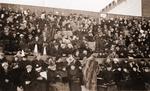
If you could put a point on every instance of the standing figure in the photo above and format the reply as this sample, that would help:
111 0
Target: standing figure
75 78
28 78
6 79
51 75
90 74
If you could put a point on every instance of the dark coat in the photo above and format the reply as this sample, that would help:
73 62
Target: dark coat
75 79
7 81
31 76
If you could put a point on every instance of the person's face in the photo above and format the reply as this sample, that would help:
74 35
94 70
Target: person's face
6 31
50 60
72 67
2 16
14 34
38 30
30 37
29 69
1 56
77 53
24 59
21 37
56 46
126 61
117 48
108 68
5 67
36 38
115 62
134 69
85 52
16 58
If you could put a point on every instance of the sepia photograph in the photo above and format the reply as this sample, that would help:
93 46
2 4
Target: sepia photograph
74 45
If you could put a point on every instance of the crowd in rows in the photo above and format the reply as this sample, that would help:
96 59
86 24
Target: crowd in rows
68 39
52 74
71 74
126 74
22 30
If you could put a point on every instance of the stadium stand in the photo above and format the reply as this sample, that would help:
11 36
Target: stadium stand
120 44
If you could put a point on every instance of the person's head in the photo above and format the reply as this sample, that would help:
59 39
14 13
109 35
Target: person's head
30 36
38 68
70 46
77 53
36 38
85 52
116 60
43 16
63 46
72 67
29 68
38 57
24 58
56 45
108 68
6 30
14 34
51 61
21 36
2 16
5 65
1 55
134 69
16 58
38 30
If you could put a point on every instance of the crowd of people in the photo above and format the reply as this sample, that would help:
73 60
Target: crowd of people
67 41
124 75
52 74
22 30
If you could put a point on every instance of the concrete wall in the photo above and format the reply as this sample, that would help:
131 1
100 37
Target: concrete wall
39 9
145 7
87 5
128 7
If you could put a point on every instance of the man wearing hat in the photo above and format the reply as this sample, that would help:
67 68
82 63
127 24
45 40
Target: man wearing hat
137 81
5 38
14 42
52 75
40 67
6 78
62 76
16 71
55 50
40 81
23 62
39 62
22 42
2 59
75 78
30 43
28 78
